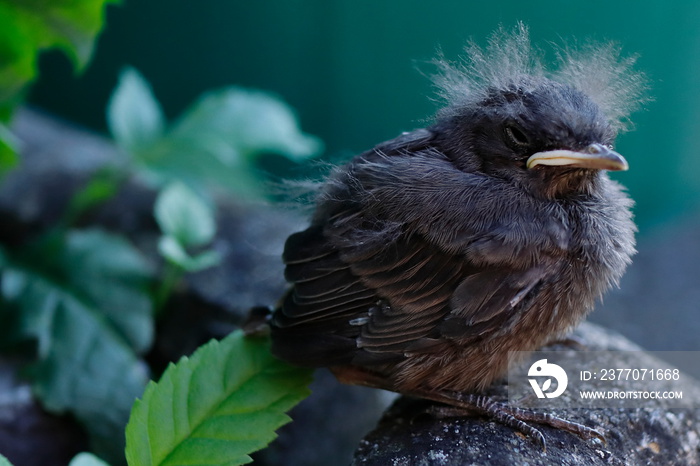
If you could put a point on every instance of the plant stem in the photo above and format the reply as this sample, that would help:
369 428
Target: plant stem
172 275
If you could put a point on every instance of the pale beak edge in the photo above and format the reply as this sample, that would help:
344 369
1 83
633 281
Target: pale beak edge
595 156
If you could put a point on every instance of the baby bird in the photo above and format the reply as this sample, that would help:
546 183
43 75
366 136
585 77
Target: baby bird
432 256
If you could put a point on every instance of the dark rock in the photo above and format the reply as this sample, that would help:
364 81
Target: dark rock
29 435
327 426
657 435
54 158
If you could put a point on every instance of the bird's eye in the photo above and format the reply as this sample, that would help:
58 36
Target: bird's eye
517 136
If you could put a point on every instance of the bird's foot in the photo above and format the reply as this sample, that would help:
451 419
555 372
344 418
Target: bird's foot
454 404
524 416
516 418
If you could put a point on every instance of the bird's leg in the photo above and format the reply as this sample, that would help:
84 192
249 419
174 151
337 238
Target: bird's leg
459 402
513 417
487 406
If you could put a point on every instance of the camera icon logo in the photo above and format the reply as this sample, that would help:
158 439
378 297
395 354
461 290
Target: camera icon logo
542 368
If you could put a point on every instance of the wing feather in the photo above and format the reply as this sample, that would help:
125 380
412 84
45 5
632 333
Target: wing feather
367 292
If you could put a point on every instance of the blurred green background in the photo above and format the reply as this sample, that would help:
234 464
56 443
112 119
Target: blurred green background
349 68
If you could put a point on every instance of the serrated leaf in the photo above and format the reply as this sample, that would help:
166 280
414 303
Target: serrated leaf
134 116
26 28
86 459
82 297
216 407
182 214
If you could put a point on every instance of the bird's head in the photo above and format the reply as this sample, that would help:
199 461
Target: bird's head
553 133
548 136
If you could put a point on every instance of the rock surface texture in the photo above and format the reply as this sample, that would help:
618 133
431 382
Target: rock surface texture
408 435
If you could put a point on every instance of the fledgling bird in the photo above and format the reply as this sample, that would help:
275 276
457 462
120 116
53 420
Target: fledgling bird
432 256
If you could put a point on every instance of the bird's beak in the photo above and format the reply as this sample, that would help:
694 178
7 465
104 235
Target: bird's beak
595 156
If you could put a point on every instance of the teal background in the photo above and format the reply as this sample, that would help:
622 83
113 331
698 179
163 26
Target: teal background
349 68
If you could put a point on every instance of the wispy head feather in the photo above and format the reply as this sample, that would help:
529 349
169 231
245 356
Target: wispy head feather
509 59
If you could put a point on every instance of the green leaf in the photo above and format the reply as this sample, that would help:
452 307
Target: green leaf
173 251
182 214
215 407
217 140
4 461
83 298
103 186
8 150
134 116
86 459
239 123
111 273
26 28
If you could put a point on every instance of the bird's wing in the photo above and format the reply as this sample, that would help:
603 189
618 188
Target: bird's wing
374 305
378 297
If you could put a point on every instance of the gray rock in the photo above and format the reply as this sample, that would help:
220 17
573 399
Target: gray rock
28 434
55 156
656 435
327 426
